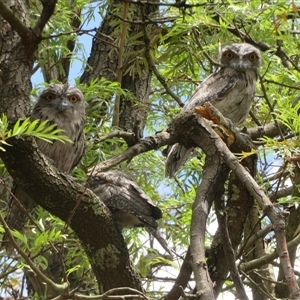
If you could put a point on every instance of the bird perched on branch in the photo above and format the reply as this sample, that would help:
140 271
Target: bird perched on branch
231 90
64 106
130 206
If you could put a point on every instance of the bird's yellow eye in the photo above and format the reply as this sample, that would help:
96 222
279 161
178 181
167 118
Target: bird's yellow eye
73 99
229 55
50 97
252 56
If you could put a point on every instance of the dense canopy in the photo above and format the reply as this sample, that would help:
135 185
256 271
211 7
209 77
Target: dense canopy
230 214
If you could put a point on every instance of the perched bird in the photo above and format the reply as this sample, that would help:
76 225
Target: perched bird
230 89
130 206
64 106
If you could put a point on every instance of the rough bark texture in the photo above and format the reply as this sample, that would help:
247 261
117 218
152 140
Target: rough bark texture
238 204
210 189
260 288
281 290
59 194
16 63
105 59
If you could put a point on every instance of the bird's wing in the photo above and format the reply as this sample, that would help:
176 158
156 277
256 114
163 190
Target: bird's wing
214 88
119 192
79 145
177 156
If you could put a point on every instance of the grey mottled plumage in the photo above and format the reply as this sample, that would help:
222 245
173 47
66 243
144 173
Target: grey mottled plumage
231 90
130 206
63 105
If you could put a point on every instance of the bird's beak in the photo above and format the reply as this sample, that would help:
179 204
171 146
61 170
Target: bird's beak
240 65
62 105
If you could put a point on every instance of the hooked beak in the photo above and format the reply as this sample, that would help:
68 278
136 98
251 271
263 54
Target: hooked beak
62 105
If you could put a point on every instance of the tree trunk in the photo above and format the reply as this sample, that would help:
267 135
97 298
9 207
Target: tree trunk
109 59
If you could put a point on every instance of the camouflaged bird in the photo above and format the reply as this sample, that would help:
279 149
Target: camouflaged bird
64 106
130 206
231 90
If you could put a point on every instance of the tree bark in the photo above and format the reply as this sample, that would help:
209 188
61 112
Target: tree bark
108 60
15 65
62 196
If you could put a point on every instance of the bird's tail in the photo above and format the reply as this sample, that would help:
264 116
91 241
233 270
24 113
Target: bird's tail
176 158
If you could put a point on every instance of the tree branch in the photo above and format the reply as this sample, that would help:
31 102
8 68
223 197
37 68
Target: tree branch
44 184
15 22
275 215
120 134
47 12
229 253
117 293
182 278
59 288
149 143
152 66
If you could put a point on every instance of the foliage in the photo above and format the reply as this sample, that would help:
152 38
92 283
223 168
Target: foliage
184 49
34 128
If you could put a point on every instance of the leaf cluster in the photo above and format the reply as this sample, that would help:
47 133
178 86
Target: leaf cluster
37 129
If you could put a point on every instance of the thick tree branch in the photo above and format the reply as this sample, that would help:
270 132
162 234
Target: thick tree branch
149 143
15 22
269 130
256 263
275 215
47 12
211 187
229 253
58 193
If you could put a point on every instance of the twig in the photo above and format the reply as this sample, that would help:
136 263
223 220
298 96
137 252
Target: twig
21 206
152 66
57 287
116 115
119 134
196 34
266 259
179 4
115 294
182 279
250 240
271 107
150 21
150 143
269 296
282 84
284 192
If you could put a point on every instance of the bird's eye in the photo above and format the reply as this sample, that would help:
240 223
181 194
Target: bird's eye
50 97
229 55
252 57
73 99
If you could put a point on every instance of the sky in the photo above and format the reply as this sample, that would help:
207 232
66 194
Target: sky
77 65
